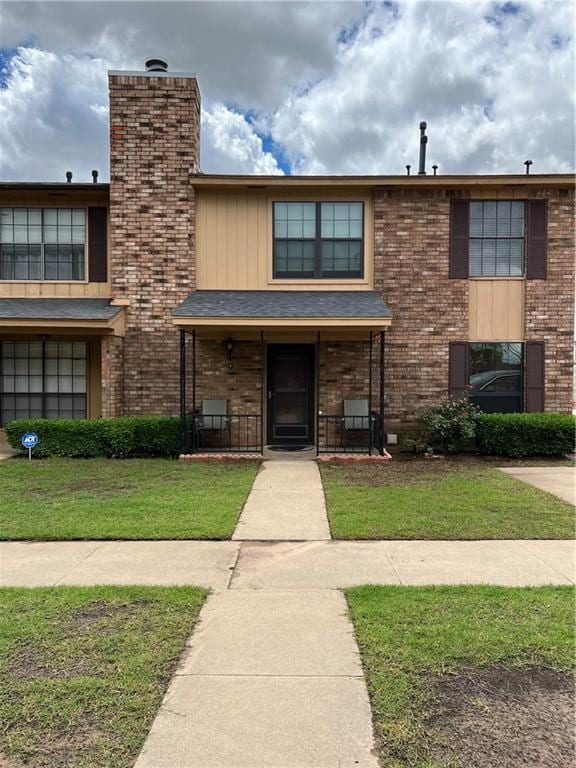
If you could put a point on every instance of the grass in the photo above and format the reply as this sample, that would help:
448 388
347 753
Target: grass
57 499
411 636
83 670
461 498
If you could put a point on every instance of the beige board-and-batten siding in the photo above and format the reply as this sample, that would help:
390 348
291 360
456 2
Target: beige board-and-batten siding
496 310
235 239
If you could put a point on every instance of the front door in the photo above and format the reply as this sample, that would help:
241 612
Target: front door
291 394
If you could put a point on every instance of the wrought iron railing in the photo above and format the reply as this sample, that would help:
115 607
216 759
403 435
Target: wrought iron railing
350 434
230 433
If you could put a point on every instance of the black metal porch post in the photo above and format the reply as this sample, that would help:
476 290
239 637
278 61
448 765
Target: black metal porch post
317 404
381 441
370 421
193 420
263 398
183 430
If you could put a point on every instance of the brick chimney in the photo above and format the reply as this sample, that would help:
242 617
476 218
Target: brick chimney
154 146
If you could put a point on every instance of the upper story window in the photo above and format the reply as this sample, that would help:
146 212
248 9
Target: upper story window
496 246
319 240
42 243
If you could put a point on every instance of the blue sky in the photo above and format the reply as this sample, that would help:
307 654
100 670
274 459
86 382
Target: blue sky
300 87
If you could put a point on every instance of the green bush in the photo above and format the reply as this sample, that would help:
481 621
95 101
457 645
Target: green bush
525 434
119 438
451 424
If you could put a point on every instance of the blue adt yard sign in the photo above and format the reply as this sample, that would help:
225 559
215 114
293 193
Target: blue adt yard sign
29 441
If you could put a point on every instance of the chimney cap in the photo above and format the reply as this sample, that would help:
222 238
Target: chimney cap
156 65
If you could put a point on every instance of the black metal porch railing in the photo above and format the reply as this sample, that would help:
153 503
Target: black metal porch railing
236 433
350 434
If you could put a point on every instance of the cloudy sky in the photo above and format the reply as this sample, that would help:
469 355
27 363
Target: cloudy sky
296 87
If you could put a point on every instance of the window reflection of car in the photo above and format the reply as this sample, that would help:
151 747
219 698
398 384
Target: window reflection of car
495 381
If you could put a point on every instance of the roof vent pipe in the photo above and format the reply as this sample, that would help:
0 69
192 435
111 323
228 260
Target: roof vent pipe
94 177
434 168
69 177
423 142
408 170
527 163
156 65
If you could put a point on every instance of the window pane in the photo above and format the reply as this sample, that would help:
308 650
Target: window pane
20 216
50 216
492 252
495 367
280 228
64 216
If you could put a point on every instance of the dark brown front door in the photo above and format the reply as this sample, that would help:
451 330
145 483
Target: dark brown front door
291 394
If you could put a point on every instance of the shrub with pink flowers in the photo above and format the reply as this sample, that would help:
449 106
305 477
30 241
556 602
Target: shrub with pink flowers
452 423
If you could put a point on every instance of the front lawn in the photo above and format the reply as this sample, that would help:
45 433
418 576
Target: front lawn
83 670
460 498
474 677
57 499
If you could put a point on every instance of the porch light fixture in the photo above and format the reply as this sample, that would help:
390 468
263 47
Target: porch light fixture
230 349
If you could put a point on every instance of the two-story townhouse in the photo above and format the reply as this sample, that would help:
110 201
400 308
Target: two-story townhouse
283 311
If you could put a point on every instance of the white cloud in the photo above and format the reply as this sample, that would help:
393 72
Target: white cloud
340 88
230 145
493 92
54 118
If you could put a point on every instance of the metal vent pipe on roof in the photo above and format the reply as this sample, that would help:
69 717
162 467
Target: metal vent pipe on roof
69 177
94 177
423 142
156 65
527 163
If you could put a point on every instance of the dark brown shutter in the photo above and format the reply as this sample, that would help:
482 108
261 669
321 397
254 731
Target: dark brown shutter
534 367
458 368
536 239
97 245
459 233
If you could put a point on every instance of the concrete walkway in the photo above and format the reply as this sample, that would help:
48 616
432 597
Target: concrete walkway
286 503
561 481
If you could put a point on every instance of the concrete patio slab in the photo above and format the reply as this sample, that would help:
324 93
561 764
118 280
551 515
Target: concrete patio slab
561 481
273 633
312 565
201 563
288 476
40 563
287 515
262 722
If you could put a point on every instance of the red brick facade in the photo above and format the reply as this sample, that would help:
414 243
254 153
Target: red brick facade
154 120
154 146
429 310
549 308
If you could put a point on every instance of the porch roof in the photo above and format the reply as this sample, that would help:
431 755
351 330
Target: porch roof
62 313
314 308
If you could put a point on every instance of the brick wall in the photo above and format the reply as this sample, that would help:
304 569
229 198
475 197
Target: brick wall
549 313
429 310
154 145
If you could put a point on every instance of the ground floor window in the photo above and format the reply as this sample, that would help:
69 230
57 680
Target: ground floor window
496 376
42 379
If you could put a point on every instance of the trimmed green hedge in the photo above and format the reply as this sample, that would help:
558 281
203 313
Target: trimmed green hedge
119 438
525 434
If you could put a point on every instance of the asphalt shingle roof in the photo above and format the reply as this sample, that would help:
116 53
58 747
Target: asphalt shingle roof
283 304
57 309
